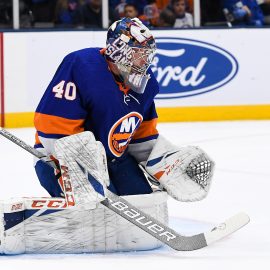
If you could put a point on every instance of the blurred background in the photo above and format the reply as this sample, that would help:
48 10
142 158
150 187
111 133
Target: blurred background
212 60
212 64
81 14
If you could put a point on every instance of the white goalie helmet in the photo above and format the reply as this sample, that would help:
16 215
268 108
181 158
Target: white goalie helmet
130 48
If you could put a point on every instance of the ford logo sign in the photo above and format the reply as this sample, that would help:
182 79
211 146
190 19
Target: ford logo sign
185 67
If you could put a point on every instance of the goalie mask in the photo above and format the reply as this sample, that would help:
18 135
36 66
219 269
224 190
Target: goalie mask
130 50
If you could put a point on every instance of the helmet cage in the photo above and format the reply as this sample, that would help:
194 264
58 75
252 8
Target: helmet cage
131 49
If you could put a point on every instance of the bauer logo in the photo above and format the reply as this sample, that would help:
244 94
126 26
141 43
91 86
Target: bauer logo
122 132
143 221
186 67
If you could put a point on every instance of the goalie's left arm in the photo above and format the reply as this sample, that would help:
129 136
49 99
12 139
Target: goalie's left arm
185 173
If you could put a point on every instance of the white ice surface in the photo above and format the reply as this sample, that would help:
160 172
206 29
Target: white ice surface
241 183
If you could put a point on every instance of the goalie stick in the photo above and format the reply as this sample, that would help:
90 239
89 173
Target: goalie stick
147 223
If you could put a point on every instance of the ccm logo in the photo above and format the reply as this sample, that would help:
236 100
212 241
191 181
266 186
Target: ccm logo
67 186
143 221
49 204
17 206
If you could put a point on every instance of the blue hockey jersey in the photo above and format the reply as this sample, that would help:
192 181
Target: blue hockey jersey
83 95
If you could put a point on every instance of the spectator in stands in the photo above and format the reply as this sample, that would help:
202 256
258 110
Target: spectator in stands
130 11
65 11
120 9
150 16
183 18
118 5
90 14
148 10
166 18
245 12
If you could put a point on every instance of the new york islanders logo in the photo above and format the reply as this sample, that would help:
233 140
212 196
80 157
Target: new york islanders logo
122 132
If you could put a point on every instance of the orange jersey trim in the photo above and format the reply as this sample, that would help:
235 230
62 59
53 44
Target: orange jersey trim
146 129
51 124
102 51
122 87
37 139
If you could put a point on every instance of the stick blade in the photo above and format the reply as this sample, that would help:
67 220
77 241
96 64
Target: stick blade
227 227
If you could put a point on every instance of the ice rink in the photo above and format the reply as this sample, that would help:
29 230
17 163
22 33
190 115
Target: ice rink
241 182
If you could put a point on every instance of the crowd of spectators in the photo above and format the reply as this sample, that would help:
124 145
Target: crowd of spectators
160 13
88 13
236 12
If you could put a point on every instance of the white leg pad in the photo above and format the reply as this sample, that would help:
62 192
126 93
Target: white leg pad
75 230
12 242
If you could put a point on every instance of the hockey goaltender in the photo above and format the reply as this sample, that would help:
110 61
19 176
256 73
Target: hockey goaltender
101 159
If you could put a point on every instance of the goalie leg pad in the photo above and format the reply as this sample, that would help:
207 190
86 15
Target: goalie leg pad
76 230
12 214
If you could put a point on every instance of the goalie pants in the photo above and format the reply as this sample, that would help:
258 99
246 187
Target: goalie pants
125 175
